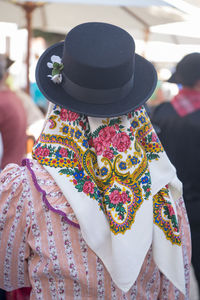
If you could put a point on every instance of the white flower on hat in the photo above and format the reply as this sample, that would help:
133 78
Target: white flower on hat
56 78
56 59
57 66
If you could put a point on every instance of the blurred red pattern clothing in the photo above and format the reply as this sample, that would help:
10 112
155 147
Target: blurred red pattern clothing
186 102
21 294
12 127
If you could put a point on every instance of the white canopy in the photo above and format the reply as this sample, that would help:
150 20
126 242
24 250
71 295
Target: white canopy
139 17
61 17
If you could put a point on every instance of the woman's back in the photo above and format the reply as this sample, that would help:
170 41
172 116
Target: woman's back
51 253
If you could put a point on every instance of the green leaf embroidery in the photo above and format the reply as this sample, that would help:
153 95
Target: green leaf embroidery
56 112
66 171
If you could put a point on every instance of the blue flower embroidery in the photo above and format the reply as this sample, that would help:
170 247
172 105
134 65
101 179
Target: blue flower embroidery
85 143
104 171
142 119
98 193
134 124
134 160
145 179
78 134
78 175
57 154
65 129
122 166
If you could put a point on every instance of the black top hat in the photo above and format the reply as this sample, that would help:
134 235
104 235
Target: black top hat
101 74
187 70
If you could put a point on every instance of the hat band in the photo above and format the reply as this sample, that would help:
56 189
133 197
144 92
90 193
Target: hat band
98 96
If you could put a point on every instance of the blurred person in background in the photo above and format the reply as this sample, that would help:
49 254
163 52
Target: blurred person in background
98 211
179 132
13 120
35 116
1 149
20 122
33 112
12 126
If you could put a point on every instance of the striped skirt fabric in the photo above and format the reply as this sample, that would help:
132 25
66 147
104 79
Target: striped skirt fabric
39 248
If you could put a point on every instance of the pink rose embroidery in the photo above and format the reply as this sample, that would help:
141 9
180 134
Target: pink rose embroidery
72 116
171 210
124 197
154 137
88 187
63 114
98 145
115 197
42 151
63 152
68 115
108 154
106 135
38 151
45 152
121 141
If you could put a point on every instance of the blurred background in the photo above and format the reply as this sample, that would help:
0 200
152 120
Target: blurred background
164 31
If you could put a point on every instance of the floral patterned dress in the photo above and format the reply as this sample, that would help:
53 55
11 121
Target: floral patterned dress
43 249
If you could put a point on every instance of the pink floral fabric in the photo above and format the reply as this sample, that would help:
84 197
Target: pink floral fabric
41 250
68 115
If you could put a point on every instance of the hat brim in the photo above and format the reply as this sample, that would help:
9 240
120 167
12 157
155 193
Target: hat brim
173 78
145 79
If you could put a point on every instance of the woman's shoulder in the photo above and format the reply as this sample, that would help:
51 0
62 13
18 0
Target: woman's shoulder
11 174
17 180
14 174
50 192
40 177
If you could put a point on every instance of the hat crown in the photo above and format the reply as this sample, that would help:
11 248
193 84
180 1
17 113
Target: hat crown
98 56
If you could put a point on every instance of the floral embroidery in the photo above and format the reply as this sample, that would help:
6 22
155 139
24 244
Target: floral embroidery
53 254
100 279
69 254
110 164
68 115
145 134
165 217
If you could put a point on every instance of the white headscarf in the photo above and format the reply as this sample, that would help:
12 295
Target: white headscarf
121 186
